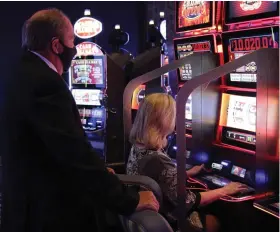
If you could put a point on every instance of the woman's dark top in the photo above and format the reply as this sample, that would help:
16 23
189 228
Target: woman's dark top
158 166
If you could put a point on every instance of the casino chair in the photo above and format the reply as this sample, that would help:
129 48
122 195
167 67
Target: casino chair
146 220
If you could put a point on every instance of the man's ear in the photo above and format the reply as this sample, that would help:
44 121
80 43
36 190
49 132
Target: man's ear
56 46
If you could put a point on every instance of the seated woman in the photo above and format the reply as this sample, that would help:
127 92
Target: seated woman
155 120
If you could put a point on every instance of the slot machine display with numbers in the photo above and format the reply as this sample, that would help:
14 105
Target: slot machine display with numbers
248 44
241 46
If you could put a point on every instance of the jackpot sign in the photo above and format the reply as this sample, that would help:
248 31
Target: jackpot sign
87 27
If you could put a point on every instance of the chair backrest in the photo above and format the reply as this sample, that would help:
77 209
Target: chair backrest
146 220
144 182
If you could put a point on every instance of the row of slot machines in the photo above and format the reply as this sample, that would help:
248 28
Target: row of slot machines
223 118
97 80
237 120
235 133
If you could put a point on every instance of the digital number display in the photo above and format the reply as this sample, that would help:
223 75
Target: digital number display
251 44
240 46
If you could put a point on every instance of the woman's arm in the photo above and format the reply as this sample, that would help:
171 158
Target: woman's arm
195 170
213 195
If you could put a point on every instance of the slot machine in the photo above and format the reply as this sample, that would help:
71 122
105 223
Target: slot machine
243 82
96 82
238 143
239 139
198 28
238 133
253 25
87 81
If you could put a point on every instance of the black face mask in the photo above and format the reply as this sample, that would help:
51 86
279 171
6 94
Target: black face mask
66 56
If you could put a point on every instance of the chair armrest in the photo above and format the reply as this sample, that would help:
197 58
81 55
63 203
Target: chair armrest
145 221
144 182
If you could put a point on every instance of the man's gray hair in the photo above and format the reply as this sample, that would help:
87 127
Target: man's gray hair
41 28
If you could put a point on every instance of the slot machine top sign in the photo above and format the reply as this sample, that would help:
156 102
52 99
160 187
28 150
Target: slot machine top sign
250 5
193 9
242 11
192 15
87 27
88 49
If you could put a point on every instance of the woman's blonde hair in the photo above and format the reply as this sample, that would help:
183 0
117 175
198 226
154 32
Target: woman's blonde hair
154 121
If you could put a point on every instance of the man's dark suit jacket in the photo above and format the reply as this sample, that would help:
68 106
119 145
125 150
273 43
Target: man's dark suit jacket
52 179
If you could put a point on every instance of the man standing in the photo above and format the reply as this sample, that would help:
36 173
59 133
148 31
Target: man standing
53 181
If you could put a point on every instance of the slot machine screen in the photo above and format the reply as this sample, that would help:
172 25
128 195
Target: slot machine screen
138 96
241 11
87 97
191 15
88 72
238 44
238 120
183 47
238 171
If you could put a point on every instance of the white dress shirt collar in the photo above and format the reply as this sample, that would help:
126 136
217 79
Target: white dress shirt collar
45 60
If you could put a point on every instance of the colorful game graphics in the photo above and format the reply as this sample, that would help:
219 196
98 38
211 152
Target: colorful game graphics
246 8
193 13
87 71
238 112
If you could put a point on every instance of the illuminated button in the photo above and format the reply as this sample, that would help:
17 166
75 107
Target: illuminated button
224 163
99 124
242 137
